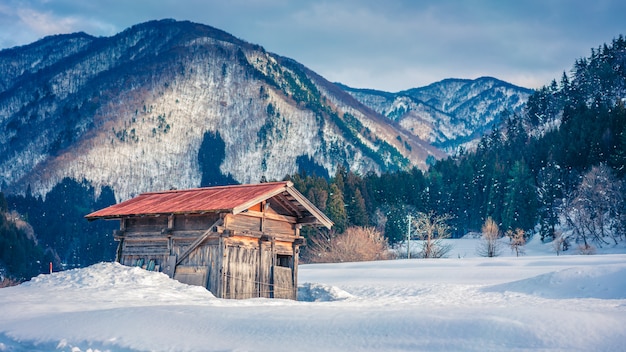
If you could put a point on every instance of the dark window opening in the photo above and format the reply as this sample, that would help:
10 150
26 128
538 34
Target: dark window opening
283 260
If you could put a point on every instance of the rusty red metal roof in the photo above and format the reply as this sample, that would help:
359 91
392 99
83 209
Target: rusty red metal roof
197 200
233 199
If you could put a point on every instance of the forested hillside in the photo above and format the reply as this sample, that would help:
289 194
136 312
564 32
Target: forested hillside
20 256
558 166
60 234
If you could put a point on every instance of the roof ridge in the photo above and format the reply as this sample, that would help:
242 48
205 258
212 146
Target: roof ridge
286 183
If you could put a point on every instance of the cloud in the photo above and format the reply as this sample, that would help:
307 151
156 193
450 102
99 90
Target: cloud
44 23
22 24
390 45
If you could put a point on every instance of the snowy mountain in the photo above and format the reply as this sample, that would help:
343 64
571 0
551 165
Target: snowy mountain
168 104
448 113
135 112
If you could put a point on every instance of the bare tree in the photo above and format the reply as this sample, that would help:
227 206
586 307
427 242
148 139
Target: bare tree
517 241
595 210
489 246
560 242
576 218
432 230
354 245
586 249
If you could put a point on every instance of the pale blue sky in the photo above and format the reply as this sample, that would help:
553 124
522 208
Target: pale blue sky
388 45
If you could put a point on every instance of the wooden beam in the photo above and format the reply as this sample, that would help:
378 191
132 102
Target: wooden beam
321 218
309 220
197 242
288 204
145 239
271 216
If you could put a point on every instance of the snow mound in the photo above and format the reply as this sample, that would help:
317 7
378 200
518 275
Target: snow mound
101 275
114 278
314 292
601 282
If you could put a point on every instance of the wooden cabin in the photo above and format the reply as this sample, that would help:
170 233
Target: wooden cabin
237 241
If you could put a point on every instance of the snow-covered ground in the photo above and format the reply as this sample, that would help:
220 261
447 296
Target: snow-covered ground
537 302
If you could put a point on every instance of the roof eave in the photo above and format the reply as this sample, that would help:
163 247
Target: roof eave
120 216
321 218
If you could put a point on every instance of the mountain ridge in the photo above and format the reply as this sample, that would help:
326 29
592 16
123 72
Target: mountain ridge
448 113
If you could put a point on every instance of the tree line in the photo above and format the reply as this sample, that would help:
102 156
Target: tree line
61 235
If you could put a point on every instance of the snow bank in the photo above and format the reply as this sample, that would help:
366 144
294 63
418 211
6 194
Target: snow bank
116 283
104 275
601 282
544 303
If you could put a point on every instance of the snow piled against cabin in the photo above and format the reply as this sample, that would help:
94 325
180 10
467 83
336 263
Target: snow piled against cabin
537 302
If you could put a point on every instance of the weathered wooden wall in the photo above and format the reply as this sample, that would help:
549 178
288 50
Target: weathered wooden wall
250 255
156 239
202 266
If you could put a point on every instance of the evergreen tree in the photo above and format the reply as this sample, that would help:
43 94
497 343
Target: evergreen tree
396 226
549 194
4 206
357 210
520 199
496 189
619 158
336 209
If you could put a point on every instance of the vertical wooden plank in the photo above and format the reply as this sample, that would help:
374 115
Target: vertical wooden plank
227 220
170 222
221 264
120 251
170 266
120 246
214 271
259 269
272 264
267 271
263 209
294 269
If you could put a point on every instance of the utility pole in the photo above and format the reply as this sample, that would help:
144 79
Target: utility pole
408 239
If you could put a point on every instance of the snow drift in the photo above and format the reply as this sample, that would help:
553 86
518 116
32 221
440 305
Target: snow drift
545 303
